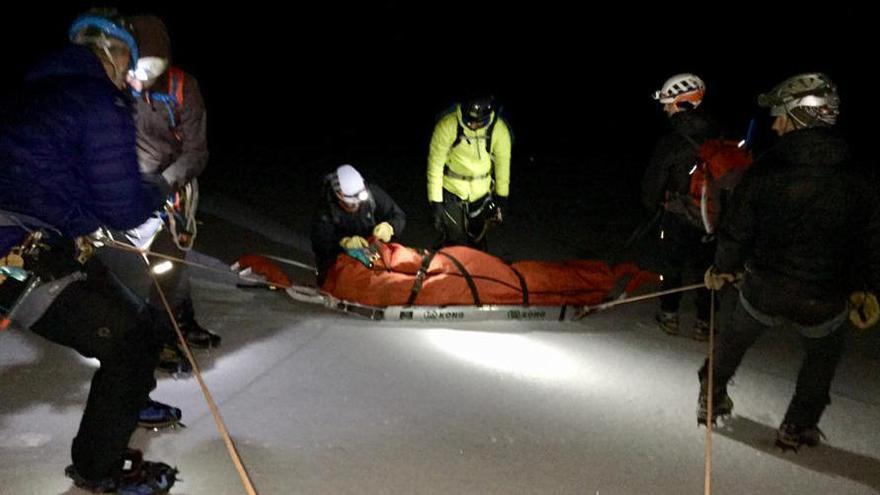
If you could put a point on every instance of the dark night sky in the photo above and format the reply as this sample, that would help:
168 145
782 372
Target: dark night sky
371 78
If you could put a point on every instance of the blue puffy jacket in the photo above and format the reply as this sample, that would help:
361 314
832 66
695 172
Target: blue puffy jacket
67 151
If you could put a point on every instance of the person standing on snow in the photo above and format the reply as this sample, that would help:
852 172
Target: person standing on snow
802 220
350 211
171 141
68 167
666 183
469 171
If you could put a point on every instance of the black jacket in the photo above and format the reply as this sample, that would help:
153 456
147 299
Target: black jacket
801 222
331 223
671 162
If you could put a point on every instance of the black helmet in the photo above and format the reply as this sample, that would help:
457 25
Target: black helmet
477 111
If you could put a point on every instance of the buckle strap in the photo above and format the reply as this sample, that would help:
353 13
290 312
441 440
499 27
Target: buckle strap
455 175
420 277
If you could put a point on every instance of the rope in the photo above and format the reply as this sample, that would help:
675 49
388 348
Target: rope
218 420
653 295
710 399
215 412
190 196
289 262
131 249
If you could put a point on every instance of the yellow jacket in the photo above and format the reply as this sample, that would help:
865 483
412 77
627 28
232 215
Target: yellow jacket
468 158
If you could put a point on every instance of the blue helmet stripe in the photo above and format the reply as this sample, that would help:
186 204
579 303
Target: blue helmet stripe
109 28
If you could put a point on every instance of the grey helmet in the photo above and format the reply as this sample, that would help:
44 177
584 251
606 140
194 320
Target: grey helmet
810 100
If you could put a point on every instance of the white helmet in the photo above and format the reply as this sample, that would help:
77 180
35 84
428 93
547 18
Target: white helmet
682 88
349 186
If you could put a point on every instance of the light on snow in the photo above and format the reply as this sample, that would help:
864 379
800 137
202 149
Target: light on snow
515 354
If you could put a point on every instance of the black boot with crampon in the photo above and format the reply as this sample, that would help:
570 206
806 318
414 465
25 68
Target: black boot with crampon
138 477
722 405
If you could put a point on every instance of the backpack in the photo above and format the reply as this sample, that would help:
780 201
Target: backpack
173 100
720 166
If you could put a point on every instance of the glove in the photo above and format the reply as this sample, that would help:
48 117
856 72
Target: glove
353 242
384 231
715 280
437 211
159 190
865 310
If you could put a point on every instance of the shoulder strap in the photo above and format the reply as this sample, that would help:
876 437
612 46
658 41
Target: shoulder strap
489 132
459 133
176 82
371 204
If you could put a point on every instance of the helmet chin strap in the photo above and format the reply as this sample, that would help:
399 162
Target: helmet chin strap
118 75
798 123
111 59
350 208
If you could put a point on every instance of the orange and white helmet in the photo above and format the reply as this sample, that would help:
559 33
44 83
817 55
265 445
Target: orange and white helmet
682 88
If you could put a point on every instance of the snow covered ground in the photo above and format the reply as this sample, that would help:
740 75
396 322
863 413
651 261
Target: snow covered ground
320 402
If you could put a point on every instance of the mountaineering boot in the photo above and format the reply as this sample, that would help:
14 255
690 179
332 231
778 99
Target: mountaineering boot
667 321
701 331
157 415
138 477
790 436
722 405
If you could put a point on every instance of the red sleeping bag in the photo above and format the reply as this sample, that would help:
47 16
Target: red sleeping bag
265 267
461 276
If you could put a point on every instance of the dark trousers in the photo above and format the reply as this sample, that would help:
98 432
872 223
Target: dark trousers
683 248
101 319
465 222
812 393
134 273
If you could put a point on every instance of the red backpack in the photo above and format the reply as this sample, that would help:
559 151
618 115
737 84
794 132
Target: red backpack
720 166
